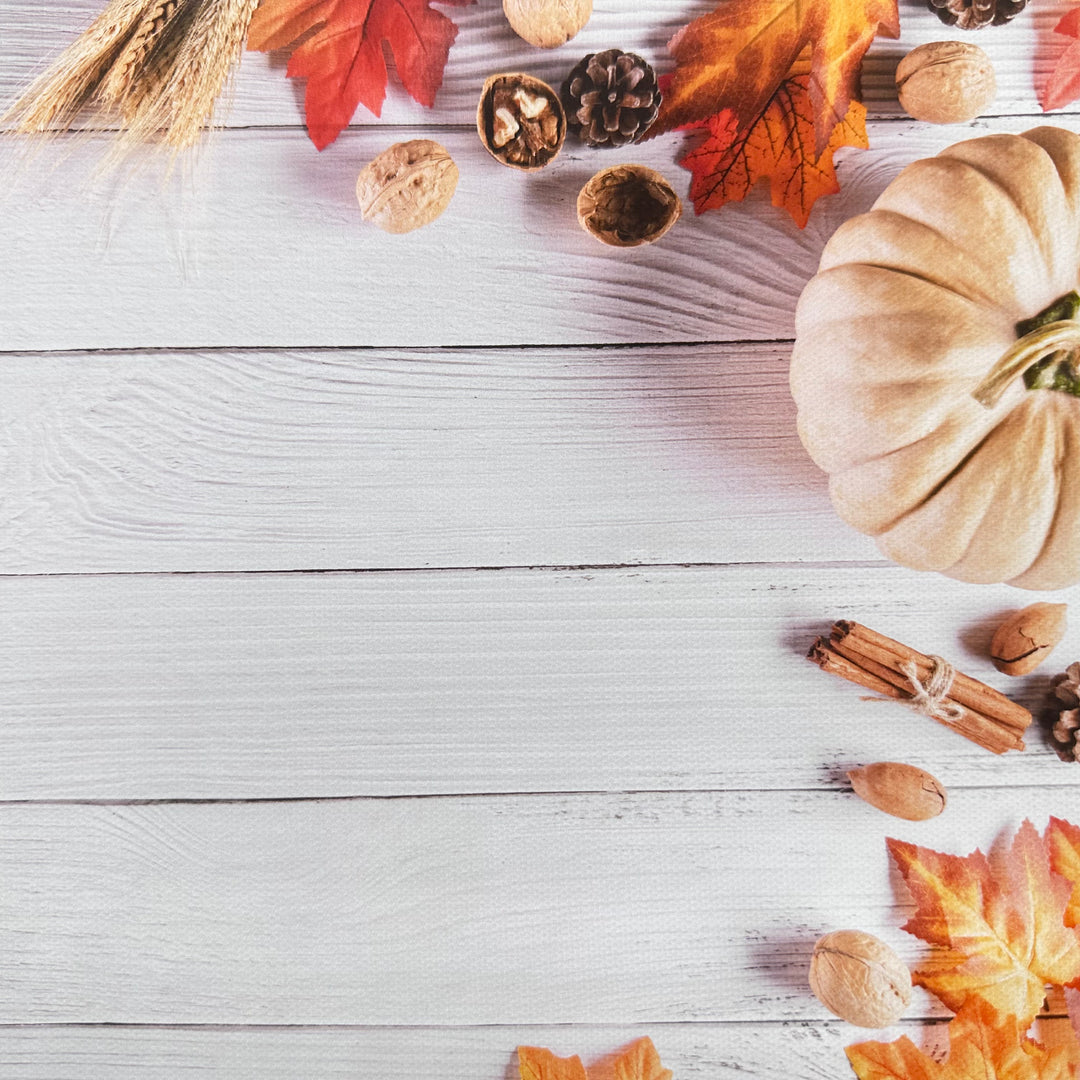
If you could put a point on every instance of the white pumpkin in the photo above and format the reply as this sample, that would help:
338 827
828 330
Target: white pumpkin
912 311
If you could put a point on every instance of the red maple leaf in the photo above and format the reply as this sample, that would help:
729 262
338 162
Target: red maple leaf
1063 85
341 52
779 145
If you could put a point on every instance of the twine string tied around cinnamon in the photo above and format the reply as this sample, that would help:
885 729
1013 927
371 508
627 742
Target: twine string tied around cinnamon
931 698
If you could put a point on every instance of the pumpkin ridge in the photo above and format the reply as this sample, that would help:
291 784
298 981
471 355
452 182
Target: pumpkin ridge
982 301
1058 531
991 517
936 488
892 233
1042 238
981 216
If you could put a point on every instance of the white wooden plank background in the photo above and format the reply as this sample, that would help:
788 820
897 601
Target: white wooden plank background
264 247
330 459
540 759
555 909
240 686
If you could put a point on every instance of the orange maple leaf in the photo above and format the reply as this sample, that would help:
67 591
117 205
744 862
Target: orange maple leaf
737 56
1000 920
1063 83
780 146
341 52
1063 843
983 1045
638 1061
539 1063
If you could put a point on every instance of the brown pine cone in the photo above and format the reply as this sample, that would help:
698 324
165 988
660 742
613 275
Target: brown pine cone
1066 706
975 14
610 98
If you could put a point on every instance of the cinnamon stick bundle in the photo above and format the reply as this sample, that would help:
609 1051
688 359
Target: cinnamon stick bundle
878 663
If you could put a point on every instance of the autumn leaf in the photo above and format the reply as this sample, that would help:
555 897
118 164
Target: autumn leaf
737 56
1063 84
1063 843
638 1061
341 54
1001 920
538 1063
779 146
983 1045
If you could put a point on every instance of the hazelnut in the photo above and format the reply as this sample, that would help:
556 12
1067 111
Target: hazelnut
521 121
945 82
1027 637
547 23
408 185
898 789
857 977
627 205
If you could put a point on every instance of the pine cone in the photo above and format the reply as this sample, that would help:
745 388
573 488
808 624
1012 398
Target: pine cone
975 14
1066 706
610 98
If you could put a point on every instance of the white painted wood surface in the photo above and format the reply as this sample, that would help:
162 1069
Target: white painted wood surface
450 682
402 638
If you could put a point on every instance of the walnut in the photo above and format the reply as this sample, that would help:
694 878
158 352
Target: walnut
628 205
520 121
857 977
547 23
946 82
408 185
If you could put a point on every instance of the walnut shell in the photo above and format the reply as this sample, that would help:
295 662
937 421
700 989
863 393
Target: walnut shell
408 185
898 789
857 977
547 23
946 82
1027 637
520 120
627 205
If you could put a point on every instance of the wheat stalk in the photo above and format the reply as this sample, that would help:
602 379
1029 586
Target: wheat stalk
162 63
178 106
150 40
54 99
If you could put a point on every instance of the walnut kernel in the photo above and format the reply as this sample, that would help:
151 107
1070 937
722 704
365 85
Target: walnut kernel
408 185
628 205
857 977
946 82
521 121
547 23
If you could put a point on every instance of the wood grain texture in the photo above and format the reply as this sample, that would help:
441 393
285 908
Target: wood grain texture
243 461
713 1051
264 247
581 909
271 686
1023 53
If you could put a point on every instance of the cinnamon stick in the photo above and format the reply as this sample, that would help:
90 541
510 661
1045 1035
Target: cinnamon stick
965 690
874 661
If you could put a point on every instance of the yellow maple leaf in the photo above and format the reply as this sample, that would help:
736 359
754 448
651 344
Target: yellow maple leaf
539 1063
778 146
1000 921
1063 842
738 55
983 1045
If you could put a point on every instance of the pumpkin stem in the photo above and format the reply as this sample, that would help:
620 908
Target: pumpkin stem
1038 354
